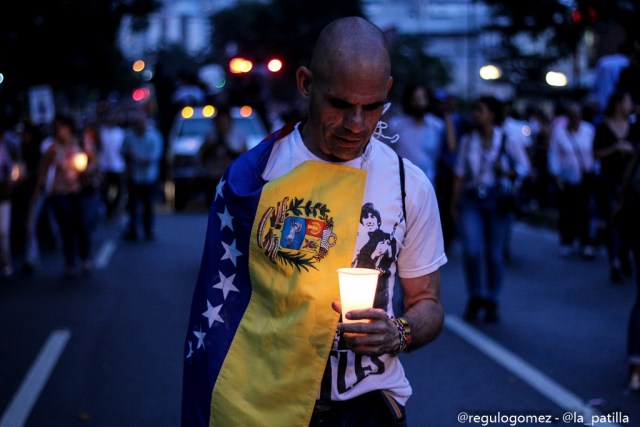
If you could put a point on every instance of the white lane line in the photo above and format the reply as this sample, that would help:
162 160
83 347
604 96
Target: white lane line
104 254
20 406
564 398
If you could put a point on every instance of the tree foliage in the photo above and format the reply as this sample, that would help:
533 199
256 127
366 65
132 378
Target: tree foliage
411 65
555 26
68 44
288 29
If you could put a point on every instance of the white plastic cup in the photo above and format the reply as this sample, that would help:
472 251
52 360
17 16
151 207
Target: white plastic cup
357 289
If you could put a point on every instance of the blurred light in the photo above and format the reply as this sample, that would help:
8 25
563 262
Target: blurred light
221 83
490 72
187 112
138 65
147 75
240 65
16 172
556 78
274 65
576 16
141 94
80 161
593 14
208 111
1 78
526 130
246 111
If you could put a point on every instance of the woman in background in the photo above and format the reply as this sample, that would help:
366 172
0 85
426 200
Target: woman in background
489 163
67 161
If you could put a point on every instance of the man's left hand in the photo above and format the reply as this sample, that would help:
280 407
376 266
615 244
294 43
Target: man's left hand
373 334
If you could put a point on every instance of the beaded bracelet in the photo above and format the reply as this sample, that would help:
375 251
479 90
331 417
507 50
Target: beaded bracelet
404 333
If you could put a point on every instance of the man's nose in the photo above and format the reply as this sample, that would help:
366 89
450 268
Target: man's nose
354 120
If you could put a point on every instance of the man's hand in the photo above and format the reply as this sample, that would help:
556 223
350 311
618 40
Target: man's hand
373 334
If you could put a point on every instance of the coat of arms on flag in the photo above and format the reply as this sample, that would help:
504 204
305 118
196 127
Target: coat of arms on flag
296 232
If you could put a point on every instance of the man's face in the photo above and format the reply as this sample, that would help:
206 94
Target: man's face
344 111
370 222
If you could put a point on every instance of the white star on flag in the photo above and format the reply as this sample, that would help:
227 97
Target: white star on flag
212 313
200 335
230 252
219 188
226 284
225 219
190 350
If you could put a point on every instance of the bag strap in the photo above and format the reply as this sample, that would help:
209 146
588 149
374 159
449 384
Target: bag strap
402 188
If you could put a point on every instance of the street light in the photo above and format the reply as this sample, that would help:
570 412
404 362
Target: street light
556 79
490 72
240 65
274 65
138 66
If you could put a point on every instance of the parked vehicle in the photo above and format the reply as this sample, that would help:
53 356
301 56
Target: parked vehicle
189 130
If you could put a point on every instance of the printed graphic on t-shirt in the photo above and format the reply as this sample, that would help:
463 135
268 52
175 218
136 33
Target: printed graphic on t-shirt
379 251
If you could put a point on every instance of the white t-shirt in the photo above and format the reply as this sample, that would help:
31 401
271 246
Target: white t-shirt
414 250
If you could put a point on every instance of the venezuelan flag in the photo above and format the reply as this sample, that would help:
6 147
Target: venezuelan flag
261 323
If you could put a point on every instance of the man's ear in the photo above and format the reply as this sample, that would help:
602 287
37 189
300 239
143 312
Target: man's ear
303 81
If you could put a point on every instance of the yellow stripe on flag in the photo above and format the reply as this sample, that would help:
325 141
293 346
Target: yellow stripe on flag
305 229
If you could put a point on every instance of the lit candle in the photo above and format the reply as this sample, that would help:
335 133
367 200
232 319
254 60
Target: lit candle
357 289
16 173
80 161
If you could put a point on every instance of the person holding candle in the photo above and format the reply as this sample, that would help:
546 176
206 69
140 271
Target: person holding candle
266 310
66 160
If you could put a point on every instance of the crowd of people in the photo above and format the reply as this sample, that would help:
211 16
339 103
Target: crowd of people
58 181
576 162
470 174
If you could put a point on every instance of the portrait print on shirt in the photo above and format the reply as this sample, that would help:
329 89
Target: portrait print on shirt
378 252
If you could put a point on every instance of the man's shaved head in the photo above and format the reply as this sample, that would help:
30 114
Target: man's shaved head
347 85
347 44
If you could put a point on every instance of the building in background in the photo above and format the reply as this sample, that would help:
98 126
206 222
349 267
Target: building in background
453 30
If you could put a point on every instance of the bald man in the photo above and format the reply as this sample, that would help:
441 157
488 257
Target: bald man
268 343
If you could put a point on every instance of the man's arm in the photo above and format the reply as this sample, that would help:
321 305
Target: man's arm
423 308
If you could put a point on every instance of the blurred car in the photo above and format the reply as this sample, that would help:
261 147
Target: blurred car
188 132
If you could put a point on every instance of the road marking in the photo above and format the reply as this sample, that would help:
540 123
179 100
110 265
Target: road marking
564 398
19 408
104 254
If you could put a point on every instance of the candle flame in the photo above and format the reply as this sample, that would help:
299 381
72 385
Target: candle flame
80 161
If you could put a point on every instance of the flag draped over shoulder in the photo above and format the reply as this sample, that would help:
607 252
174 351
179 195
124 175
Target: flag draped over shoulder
261 323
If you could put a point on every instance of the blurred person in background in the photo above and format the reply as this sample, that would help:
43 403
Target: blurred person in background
60 173
540 179
455 124
142 150
607 73
488 164
571 163
221 146
627 217
7 160
630 79
111 163
421 133
614 143
31 137
92 178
